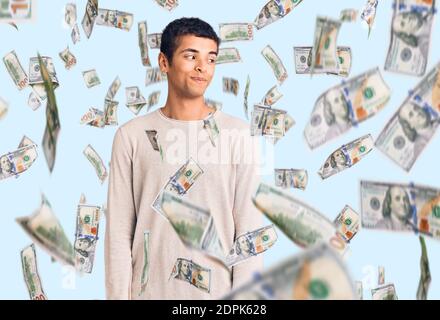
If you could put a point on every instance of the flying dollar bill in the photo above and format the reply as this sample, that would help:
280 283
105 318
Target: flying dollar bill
411 128
30 273
16 162
153 99
250 244
210 125
4 107
143 43
230 85
275 63
91 78
324 52
115 19
75 35
302 224
369 13
189 271
348 15
346 156
346 105
381 275
273 11
44 229
236 31
154 140
89 18
315 274
399 207
167 4
266 121
113 89
228 55
154 75
291 178
15 70
35 77
245 97
213 104
271 96
425 273
146 266
384 292
154 40
68 58
410 36
135 99
70 14
12 11
96 162
110 113
347 223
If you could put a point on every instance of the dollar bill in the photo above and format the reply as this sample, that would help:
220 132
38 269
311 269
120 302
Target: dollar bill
189 271
381 275
346 156
154 75
68 58
236 31
15 70
113 89
228 55
30 273
266 121
99 118
315 274
35 77
89 18
302 224
75 35
410 37
210 125
399 207
425 273
135 99
246 95
289 122
414 124
91 78
17 11
345 106
153 40
369 13
271 96
153 99
44 228
213 104
303 61
275 63
230 85
111 112
194 225
153 137
347 223
146 266
273 11
96 162
384 292
291 178
89 116
70 14
348 15
324 52
86 237
168 4
34 101
250 244
359 290
143 43
53 126
4 107
16 162
179 183
115 19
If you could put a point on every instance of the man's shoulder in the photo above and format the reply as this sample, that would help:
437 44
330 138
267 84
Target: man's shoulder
231 122
140 122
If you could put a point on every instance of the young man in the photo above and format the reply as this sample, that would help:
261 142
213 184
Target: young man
139 269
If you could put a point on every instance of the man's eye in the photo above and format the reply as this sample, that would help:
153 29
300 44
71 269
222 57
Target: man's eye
190 56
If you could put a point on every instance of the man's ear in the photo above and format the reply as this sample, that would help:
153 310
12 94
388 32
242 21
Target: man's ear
163 62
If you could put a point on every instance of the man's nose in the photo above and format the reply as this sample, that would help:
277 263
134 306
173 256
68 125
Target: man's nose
200 67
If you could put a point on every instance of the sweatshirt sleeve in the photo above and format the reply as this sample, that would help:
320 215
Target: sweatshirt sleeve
120 221
246 216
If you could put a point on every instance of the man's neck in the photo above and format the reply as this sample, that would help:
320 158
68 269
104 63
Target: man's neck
186 109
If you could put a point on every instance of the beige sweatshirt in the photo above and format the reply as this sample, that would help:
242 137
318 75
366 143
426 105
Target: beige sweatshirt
137 174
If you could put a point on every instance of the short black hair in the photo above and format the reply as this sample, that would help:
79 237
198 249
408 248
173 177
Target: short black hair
181 27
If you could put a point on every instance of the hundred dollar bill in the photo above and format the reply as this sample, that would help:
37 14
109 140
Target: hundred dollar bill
70 14
369 13
13 11
236 31
189 271
146 267
153 99
143 43
34 101
210 125
230 85
4 107
44 229
213 104
425 273
324 52
317 273
179 183
86 237
269 122
399 207
384 292
35 78
344 106
302 224
154 140
111 112
168 4
246 95
15 70
53 126
16 162
289 122
275 63
153 40
75 35
115 19
90 116
113 89
381 275
89 18
155 75
346 156
96 161
135 99
68 58
414 124
291 178
251 244
359 290
303 61
30 273
272 96
410 36
347 223
91 78
273 11
228 55
348 15
194 225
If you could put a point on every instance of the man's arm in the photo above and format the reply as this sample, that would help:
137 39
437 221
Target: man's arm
120 221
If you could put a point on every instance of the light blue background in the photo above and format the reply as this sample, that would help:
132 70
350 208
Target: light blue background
115 52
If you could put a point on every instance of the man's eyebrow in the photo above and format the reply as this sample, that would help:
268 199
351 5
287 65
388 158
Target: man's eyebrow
197 51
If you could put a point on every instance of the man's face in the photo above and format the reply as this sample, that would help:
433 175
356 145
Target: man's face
5 164
415 116
399 202
406 23
192 67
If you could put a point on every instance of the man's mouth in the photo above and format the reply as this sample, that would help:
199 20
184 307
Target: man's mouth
199 79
